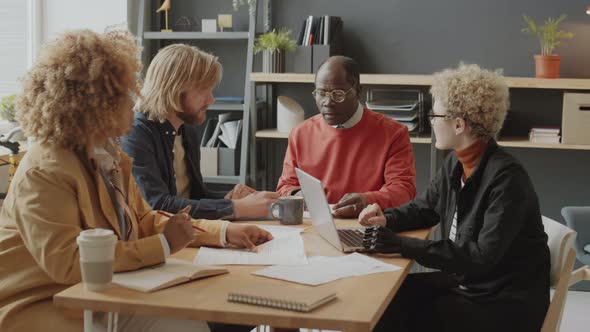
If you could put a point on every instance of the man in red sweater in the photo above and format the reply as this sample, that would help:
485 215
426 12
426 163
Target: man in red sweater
361 157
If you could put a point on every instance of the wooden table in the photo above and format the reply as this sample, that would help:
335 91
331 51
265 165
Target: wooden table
361 300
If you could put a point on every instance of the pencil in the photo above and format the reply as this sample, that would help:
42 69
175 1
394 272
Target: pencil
166 214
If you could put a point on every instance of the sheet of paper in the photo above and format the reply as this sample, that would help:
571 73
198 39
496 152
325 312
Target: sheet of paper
321 270
286 248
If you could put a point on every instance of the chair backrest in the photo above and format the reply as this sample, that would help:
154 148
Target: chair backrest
560 241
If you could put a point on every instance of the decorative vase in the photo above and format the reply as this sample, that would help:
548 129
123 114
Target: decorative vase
547 66
273 62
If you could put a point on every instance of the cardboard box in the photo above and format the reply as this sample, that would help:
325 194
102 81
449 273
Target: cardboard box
576 118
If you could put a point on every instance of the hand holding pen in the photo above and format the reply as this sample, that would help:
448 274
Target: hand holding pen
179 230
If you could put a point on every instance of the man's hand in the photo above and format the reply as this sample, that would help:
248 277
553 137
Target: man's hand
255 205
372 216
246 236
239 191
179 230
350 205
381 240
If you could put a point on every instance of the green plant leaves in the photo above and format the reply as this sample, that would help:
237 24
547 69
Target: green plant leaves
548 34
275 41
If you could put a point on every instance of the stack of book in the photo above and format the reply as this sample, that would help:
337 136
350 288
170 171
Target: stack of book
544 134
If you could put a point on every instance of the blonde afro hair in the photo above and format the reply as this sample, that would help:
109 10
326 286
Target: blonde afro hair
477 95
79 88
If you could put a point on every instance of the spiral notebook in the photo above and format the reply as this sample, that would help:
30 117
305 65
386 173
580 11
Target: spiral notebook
287 298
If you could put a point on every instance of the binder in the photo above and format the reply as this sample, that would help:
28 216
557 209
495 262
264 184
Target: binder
286 298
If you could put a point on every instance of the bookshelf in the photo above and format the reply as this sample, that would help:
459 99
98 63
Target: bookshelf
564 84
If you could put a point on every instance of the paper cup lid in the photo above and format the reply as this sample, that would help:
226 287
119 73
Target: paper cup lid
97 235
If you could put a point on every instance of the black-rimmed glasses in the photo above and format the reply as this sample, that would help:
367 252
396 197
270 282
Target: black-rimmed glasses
337 96
432 117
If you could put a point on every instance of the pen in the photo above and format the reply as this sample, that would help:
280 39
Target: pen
166 214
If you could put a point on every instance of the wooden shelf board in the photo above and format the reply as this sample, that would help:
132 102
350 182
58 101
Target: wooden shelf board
513 142
195 35
426 80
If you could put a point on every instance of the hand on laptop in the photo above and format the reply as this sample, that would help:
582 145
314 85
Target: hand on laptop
372 216
379 239
350 205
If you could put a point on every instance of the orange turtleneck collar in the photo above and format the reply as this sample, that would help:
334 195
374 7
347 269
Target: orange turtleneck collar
470 156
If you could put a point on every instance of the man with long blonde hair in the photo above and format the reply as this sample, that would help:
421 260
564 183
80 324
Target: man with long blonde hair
164 141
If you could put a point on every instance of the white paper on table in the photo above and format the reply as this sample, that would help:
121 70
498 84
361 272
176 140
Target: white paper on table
321 270
286 248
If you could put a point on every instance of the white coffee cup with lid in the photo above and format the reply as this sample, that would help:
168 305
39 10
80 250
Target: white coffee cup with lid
97 254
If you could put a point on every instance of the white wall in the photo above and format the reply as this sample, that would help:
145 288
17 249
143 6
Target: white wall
61 15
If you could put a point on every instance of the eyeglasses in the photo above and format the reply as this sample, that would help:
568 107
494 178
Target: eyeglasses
432 117
337 96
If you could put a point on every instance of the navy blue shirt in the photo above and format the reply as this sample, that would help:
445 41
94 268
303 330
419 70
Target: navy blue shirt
150 144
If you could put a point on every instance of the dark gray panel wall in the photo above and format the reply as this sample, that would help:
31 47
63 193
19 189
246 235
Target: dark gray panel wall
420 37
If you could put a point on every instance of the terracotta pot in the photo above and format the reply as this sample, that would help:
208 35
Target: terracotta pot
547 66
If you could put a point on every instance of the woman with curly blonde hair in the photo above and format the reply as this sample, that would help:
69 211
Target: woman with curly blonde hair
75 99
493 256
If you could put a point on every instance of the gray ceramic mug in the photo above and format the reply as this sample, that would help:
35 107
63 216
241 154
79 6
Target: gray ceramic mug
290 210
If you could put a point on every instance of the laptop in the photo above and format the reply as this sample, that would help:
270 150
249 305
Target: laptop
344 239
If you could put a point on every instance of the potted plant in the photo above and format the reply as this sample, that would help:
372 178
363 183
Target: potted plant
274 45
8 114
547 63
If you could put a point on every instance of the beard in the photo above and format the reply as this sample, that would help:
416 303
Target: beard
195 119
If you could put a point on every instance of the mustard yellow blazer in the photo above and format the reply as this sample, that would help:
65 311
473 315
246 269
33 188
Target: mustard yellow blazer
55 194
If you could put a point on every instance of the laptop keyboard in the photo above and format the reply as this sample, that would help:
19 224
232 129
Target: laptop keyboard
351 237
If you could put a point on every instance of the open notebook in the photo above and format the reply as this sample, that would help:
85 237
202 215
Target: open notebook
173 272
288 298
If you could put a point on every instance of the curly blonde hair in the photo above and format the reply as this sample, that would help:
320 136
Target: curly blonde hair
175 69
79 87
477 95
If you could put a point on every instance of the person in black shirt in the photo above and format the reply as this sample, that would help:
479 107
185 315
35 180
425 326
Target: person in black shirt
164 141
492 259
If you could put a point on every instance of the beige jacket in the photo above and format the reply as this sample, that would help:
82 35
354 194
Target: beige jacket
55 194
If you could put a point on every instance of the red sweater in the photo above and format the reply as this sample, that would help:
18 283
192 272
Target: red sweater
374 157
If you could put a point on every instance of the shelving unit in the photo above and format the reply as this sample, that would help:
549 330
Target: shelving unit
247 36
426 80
421 81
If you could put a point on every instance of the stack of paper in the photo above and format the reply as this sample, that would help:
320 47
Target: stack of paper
544 134
286 248
321 270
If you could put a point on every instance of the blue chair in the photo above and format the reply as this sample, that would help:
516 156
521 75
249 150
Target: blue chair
578 219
